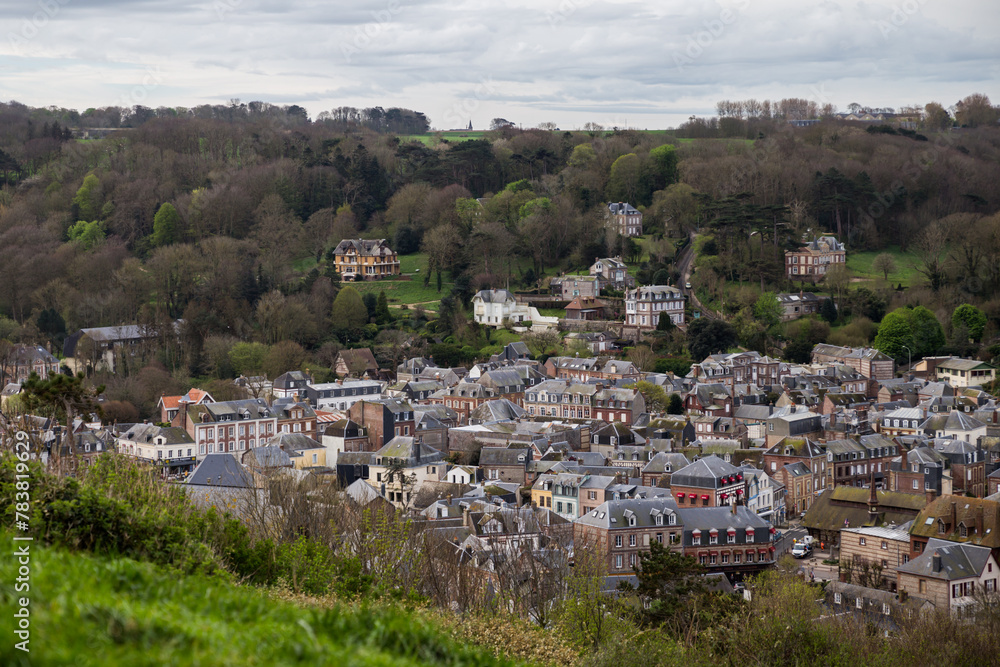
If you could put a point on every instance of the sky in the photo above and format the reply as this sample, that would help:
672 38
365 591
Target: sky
620 63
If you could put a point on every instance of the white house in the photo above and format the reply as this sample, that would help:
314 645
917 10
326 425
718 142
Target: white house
495 307
419 462
171 447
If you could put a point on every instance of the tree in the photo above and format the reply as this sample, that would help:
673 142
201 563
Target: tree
283 357
928 336
768 310
382 314
166 225
936 117
914 328
972 318
828 310
675 405
707 336
667 580
976 110
838 277
88 198
349 310
642 356
247 359
665 323
87 234
884 264
63 397
656 399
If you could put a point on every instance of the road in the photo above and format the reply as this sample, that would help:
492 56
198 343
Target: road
684 265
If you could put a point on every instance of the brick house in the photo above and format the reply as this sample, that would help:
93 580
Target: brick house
571 287
505 464
708 482
622 529
798 450
814 259
950 575
731 540
858 462
227 426
865 360
355 363
957 519
383 419
21 361
885 547
611 272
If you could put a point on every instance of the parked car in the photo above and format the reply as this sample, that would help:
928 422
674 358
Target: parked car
777 535
687 285
801 550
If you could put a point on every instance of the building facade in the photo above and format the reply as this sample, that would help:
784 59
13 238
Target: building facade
365 259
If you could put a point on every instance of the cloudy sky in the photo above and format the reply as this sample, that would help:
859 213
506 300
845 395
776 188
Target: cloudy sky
647 64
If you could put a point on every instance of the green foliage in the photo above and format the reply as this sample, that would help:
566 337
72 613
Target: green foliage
656 397
248 359
349 311
166 225
972 318
675 405
676 365
382 314
667 581
664 160
116 611
895 338
707 336
540 205
828 310
87 234
88 198
768 310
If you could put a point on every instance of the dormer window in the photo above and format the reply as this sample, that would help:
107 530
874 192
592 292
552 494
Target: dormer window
672 520
963 531
659 519
941 527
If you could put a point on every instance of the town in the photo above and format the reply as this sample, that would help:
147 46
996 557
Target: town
572 385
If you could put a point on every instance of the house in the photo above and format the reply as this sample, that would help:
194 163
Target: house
20 361
625 219
411 369
814 259
170 447
798 305
708 482
341 395
792 450
793 422
731 540
961 426
367 259
170 406
860 462
798 481
290 384
622 405
355 363
219 470
105 347
561 398
660 469
967 465
227 426
950 575
573 286
586 308
873 607
611 272
957 519
850 507
383 419
403 464
622 529
600 341
902 421
295 417
965 372
345 435
505 464
920 471
581 369
645 305
498 308
760 496
865 360
880 549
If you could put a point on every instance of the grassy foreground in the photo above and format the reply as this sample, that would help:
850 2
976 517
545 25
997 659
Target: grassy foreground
100 611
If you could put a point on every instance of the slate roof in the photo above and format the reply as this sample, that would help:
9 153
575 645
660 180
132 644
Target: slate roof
704 473
502 456
958 561
407 448
834 506
622 208
614 514
959 421
494 296
220 470
497 410
268 457
926 523
659 463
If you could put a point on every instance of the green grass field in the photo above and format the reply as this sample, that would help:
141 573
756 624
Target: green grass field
86 610
860 264
435 137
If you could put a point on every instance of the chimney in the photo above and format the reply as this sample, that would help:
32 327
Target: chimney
979 520
732 508
954 517
449 499
415 450
936 562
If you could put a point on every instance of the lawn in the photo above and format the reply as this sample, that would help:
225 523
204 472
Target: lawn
87 610
860 264
410 292
434 137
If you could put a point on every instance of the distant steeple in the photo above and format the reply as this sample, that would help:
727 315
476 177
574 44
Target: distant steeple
872 500
470 124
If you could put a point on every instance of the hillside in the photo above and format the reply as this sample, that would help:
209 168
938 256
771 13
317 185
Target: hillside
87 610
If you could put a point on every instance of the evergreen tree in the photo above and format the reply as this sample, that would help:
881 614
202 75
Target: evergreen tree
382 314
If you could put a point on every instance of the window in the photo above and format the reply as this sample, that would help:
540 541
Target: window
713 539
885 608
618 539
736 558
659 519
672 520
618 561
916 484
859 603
731 538
922 586
861 541
836 598
725 558
962 530
559 510
885 545
659 538
631 540
703 560
711 559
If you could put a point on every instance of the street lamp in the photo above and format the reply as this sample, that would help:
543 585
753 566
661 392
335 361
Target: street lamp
909 357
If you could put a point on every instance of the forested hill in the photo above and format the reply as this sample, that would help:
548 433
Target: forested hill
200 215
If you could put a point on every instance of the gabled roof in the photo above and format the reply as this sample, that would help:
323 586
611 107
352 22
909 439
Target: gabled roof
494 296
704 472
960 421
268 457
622 208
364 247
957 561
220 470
